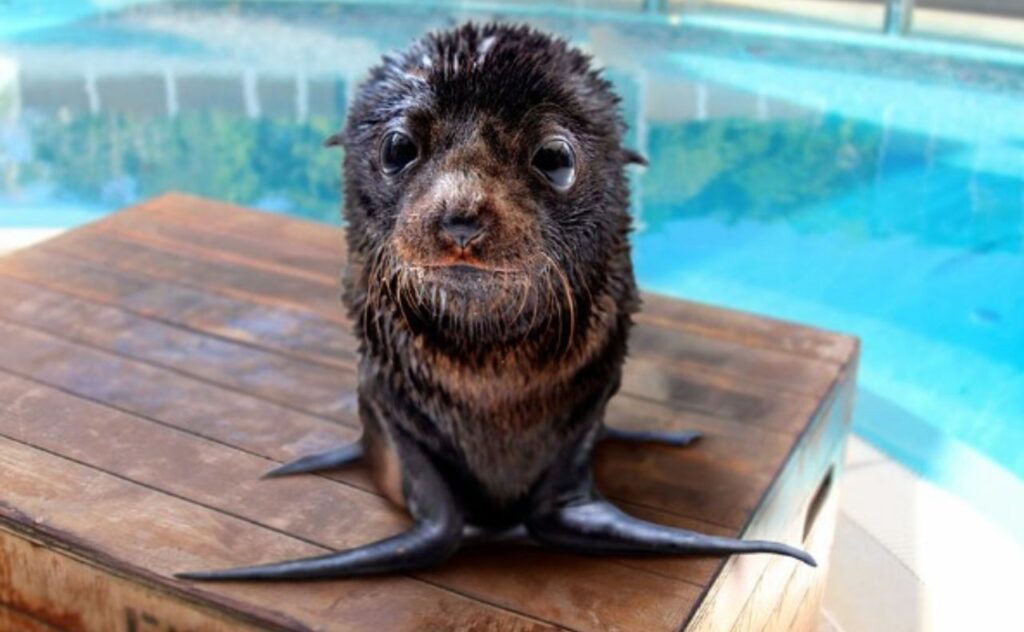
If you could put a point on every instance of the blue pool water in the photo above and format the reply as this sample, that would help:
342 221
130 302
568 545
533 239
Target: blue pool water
868 185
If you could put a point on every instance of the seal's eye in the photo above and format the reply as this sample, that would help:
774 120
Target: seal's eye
556 161
397 150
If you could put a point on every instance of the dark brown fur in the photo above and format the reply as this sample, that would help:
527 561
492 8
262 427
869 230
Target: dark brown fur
494 367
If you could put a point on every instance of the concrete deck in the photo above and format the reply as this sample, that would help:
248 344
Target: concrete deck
910 556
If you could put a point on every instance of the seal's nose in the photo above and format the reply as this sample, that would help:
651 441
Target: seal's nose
461 229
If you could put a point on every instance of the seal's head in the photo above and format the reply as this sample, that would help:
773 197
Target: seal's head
485 189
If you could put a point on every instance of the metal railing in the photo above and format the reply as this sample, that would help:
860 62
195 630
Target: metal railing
898 16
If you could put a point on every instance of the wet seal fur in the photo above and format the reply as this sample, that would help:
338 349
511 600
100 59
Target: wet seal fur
491 289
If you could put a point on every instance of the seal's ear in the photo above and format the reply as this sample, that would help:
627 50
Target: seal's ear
633 157
335 140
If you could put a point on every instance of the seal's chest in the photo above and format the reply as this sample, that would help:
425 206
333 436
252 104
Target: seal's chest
506 462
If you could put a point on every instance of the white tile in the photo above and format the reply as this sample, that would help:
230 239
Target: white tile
922 524
869 589
900 535
859 452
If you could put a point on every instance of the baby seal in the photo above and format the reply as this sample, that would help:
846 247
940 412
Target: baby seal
491 290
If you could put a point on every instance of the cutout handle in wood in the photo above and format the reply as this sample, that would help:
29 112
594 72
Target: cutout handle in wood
824 487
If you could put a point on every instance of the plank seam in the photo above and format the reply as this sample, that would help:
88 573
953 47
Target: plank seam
127 234
31 617
286 303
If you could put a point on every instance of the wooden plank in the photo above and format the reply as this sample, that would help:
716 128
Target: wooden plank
224 277
699 389
749 330
148 225
224 217
301 334
127 530
309 387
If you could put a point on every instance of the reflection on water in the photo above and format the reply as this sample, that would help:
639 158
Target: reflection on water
865 189
116 158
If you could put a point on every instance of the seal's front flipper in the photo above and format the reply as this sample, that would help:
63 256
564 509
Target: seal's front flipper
597 526
436 534
424 545
328 460
674 438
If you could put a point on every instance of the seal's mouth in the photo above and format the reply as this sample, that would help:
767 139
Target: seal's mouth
466 268
471 300
466 284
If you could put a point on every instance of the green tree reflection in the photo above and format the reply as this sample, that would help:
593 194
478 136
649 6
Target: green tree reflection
118 158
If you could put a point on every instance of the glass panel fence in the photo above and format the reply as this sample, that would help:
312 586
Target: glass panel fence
860 14
994 21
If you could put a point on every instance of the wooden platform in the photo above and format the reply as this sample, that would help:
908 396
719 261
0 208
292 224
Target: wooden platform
155 363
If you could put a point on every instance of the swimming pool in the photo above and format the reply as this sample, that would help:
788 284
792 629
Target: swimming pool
861 184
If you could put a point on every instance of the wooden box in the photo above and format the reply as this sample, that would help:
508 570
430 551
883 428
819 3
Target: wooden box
156 363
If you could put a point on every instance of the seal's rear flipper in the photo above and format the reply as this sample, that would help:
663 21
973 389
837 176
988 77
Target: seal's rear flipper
597 526
424 545
328 460
679 438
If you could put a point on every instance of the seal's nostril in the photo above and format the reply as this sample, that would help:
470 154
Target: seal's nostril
462 229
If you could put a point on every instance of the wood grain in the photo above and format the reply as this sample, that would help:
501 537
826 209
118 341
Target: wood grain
329 515
13 619
131 530
158 361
